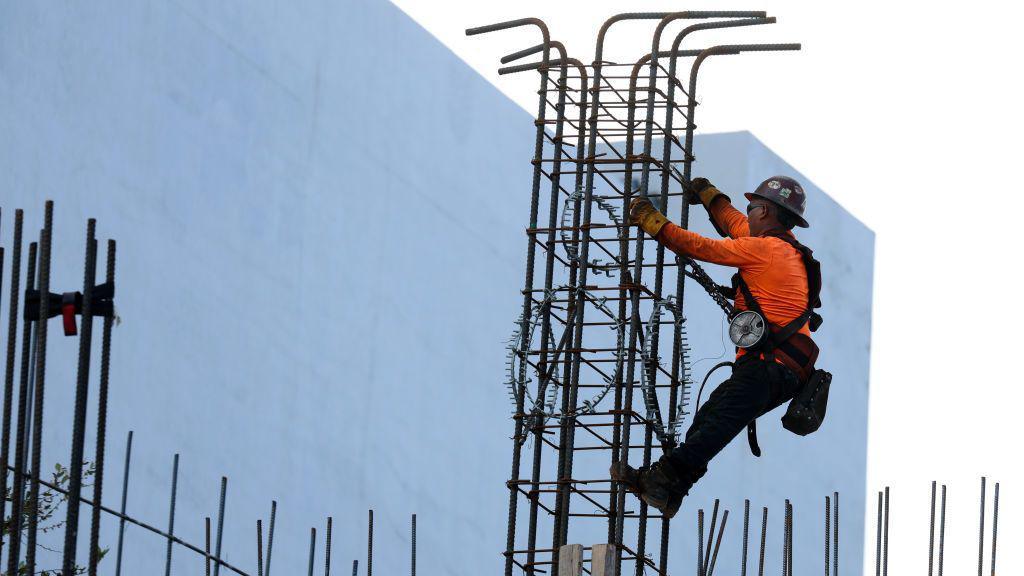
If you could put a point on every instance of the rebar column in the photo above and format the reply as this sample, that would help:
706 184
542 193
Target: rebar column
21 430
81 402
12 335
931 534
101 418
995 526
528 287
981 529
170 519
40 388
124 501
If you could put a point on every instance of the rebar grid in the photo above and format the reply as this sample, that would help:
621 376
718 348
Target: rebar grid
590 340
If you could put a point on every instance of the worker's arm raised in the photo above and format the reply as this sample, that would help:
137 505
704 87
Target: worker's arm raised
735 222
747 252
727 220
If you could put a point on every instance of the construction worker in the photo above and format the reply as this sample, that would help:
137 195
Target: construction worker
773 271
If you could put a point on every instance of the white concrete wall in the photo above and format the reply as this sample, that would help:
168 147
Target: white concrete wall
319 212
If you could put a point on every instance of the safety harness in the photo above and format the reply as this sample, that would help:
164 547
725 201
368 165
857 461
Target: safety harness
750 330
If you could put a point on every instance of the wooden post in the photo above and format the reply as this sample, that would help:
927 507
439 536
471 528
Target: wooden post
570 560
602 560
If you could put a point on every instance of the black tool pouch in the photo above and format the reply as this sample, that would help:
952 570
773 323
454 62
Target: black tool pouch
806 411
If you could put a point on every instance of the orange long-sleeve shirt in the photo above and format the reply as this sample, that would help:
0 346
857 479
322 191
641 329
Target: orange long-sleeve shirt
772 269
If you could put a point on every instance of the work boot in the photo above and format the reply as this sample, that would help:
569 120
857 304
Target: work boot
657 485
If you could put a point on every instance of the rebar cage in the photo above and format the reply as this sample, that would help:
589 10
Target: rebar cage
598 367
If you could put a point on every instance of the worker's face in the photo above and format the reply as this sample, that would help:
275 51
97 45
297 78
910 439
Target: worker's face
760 217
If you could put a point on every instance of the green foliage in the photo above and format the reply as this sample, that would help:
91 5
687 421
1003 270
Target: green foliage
47 505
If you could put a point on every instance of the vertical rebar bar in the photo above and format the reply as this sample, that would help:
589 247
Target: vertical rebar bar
942 529
528 287
878 539
74 501
981 529
785 539
101 419
12 335
545 315
369 546
355 567
413 545
259 547
170 518
327 549
828 531
312 549
220 524
764 540
700 542
995 526
40 388
931 534
711 536
746 529
885 537
718 543
835 557
207 548
21 431
124 501
270 533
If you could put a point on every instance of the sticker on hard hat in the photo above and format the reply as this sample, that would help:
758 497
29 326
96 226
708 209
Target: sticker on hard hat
785 192
774 185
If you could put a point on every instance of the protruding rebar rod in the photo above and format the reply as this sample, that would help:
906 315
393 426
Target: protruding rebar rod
369 546
995 526
22 425
101 420
259 547
207 547
700 542
220 525
885 537
828 531
711 535
528 287
764 539
981 529
327 549
170 518
40 388
718 543
942 529
746 528
785 539
878 538
413 540
270 533
81 403
931 534
355 567
835 557
312 549
12 336
124 501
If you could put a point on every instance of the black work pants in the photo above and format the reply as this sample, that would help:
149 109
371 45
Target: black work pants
756 387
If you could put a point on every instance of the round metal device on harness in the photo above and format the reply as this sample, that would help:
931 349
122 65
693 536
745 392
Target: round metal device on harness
747 329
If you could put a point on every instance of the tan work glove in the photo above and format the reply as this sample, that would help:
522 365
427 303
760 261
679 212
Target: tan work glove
703 191
650 219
